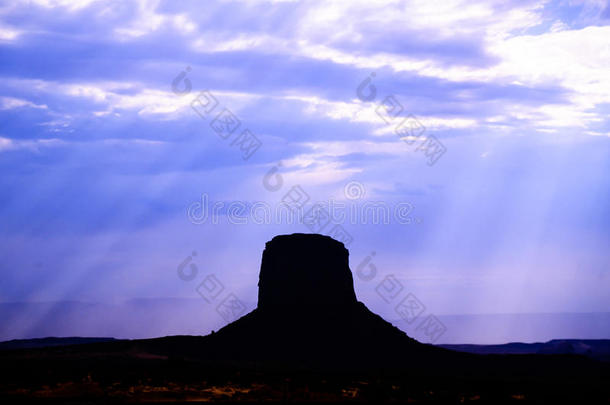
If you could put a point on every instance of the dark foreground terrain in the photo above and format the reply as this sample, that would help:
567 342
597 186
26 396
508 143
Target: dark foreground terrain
308 341
162 370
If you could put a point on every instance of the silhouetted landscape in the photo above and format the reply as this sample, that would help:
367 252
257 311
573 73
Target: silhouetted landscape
308 341
295 202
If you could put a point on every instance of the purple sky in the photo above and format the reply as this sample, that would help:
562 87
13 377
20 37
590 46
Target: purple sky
101 154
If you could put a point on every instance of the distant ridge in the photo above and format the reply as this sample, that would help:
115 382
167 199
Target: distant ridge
594 348
598 349
50 342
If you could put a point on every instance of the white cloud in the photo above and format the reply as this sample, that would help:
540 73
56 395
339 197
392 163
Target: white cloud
574 59
323 173
9 103
9 33
30 144
112 95
149 20
70 5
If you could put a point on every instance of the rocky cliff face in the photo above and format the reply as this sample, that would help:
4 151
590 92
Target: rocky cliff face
308 313
304 274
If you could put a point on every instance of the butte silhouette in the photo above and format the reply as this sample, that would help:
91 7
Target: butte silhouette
308 313
308 340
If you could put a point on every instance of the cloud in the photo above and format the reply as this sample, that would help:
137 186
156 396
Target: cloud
33 145
9 103
98 151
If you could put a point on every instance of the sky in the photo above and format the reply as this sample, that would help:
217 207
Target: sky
470 138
